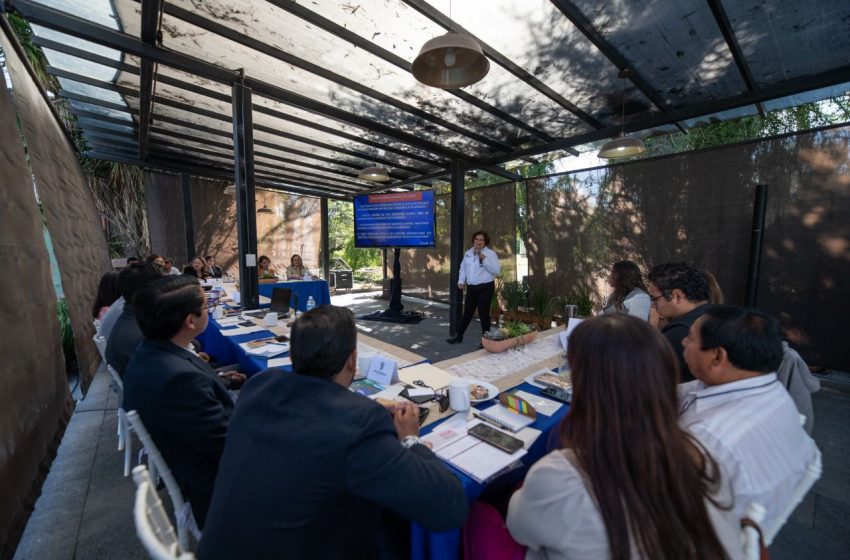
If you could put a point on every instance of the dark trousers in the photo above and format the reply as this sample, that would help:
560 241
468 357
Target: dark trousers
477 297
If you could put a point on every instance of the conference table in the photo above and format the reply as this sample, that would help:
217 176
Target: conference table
302 289
543 354
546 355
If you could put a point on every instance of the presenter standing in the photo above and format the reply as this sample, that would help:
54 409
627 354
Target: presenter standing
477 270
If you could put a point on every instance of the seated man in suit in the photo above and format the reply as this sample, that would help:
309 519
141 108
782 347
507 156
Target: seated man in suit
310 467
181 400
126 335
679 293
739 410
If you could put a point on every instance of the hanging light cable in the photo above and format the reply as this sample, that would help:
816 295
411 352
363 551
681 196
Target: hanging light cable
622 146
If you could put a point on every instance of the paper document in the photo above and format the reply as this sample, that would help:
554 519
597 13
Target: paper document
430 375
448 432
280 362
241 330
228 321
266 350
478 459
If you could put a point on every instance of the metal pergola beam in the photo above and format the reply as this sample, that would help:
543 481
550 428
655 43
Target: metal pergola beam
725 26
165 79
390 57
151 13
411 181
436 16
246 211
580 21
783 89
456 244
84 29
283 56
130 92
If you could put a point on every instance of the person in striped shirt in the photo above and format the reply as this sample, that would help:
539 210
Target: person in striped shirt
739 410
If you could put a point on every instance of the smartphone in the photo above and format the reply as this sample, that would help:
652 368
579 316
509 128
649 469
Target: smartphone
423 414
282 338
245 323
563 395
496 438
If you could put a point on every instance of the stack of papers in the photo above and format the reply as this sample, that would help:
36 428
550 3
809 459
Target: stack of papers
228 321
280 362
266 350
475 458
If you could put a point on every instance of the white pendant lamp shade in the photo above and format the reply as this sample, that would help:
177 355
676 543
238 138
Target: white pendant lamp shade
624 146
453 60
376 174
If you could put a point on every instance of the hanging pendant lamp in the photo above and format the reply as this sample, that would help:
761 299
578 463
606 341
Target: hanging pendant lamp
375 174
622 146
450 61
265 209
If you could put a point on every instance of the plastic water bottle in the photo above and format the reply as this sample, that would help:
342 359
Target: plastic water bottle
311 303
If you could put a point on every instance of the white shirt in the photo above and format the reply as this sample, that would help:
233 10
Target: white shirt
752 428
556 516
111 317
474 271
636 304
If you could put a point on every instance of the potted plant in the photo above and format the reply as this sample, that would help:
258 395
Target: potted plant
542 305
513 334
583 297
511 296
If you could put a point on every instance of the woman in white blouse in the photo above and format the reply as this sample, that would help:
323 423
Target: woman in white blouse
629 482
478 269
630 296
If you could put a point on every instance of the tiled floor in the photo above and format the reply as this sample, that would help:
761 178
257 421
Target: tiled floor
84 511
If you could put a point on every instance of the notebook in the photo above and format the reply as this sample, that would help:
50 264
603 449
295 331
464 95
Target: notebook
503 417
477 459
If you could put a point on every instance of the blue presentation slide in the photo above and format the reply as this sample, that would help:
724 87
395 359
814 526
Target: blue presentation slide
394 220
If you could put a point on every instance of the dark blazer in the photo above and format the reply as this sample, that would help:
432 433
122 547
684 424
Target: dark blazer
186 409
309 468
675 332
123 340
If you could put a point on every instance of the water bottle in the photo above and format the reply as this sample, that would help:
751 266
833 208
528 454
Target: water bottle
501 320
311 303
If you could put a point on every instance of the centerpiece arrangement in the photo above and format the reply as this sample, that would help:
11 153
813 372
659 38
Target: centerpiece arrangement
511 335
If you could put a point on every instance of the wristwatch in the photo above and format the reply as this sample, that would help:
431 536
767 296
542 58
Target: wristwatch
410 441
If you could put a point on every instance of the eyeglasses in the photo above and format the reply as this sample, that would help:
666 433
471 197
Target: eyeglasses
211 305
653 300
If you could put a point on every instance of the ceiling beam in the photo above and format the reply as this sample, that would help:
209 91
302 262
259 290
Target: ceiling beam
258 45
84 29
783 89
725 26
436 16
411 181
388 56
151 16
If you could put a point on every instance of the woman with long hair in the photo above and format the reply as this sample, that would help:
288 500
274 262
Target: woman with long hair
629 482
264 268
630 296
198 269
296 270
107 293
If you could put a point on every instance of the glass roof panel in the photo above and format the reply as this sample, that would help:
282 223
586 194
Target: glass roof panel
282 30
785 40
535 35
676 46
807 97
99 11
746 111
400 29
192 40
91 91
106 112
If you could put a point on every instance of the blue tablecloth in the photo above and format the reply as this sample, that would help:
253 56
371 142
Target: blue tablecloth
304 289
446 545
226 349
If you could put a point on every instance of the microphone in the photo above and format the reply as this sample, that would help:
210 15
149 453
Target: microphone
477 252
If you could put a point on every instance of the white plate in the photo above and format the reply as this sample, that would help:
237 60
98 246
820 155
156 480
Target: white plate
492 391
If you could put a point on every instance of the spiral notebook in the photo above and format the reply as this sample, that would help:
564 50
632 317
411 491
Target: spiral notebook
503 417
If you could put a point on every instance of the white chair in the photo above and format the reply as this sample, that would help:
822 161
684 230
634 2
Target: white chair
100 342
152 524
182 509
125 439
750 535
812 474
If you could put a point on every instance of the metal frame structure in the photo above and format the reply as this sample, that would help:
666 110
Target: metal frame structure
315 146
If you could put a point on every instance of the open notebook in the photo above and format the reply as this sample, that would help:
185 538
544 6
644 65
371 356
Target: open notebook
505 418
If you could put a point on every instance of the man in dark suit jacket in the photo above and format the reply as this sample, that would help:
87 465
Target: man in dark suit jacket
310 467
180 399
126 334
679 293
